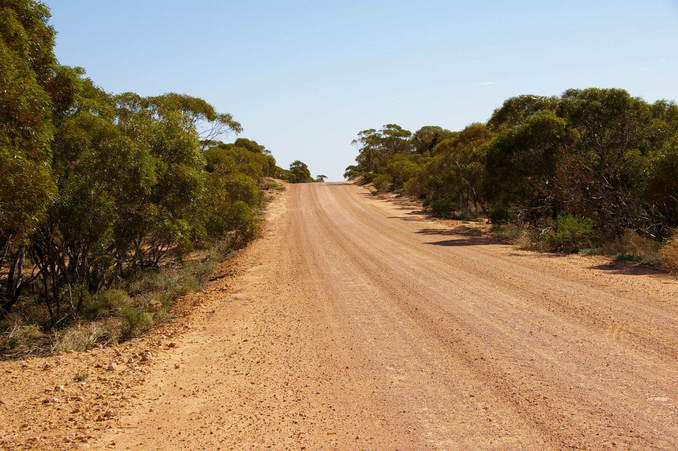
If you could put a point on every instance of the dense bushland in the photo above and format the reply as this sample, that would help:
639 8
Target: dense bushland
98 190
579 170
299 173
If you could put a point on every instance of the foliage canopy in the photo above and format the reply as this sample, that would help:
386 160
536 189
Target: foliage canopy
600 155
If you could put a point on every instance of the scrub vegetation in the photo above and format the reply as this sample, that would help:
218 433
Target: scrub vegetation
592 170
106 199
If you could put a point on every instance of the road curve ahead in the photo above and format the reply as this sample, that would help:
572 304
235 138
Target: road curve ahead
360 324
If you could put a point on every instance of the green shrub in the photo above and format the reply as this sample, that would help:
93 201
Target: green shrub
162 316
200 270
153 281
569 234
186 284
242 221
498 215
105 303
669 253
442 207
240 187
135 321
383 182
132 314
415 187
402 170
507 232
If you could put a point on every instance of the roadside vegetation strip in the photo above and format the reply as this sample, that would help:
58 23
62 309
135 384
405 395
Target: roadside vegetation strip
592 170
129 307
106 198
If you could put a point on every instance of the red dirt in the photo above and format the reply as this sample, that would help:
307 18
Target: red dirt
356 323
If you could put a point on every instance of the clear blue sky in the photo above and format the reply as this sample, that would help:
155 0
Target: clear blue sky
304 76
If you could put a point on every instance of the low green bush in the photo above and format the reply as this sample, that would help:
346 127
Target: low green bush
240 187
242 221
442 207
383 182
569 234
135 321
105 303
498 215
415 187
506 232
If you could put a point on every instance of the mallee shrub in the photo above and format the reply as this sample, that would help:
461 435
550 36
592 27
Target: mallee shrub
242 221
569 234
602 155
383 182
669 253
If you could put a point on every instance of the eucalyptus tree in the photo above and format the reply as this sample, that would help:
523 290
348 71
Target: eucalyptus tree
453 177
425 139
377 147
26 184
522 167
606 169
299 172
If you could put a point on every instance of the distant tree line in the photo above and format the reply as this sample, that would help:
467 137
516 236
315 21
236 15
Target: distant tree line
597 159
95 187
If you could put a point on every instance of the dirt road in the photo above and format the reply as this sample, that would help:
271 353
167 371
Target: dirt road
359 324
362 325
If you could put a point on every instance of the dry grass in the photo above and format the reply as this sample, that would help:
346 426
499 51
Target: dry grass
629 247
82 337
632 246
20 335
526 240
668 255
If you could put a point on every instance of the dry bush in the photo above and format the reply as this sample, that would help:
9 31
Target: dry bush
669 254
82 337
525 240
633 246
20 336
